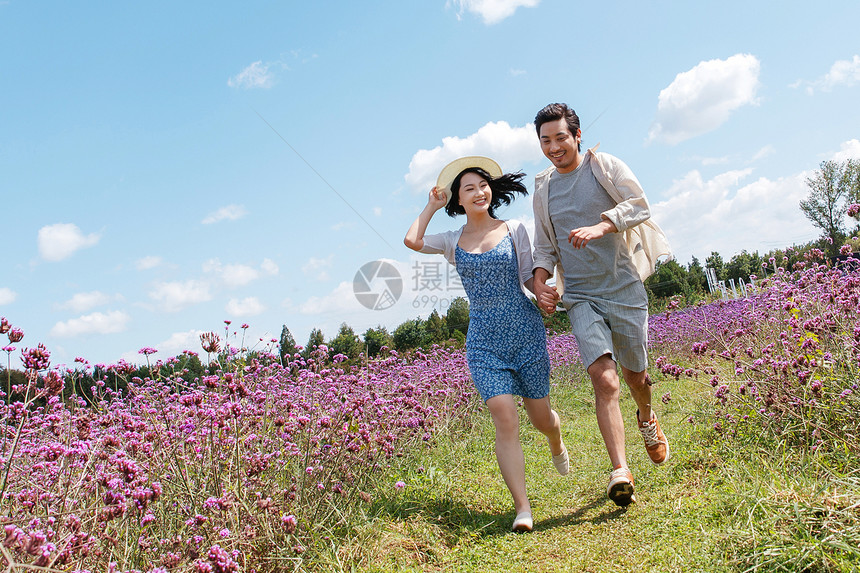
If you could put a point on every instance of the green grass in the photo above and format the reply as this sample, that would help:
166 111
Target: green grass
708 508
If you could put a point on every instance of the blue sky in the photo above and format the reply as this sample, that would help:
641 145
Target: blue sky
165 167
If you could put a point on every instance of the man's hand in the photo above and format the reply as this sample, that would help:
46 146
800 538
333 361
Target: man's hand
581 236
547 296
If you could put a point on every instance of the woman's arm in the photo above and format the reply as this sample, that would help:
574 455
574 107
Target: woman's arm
414 238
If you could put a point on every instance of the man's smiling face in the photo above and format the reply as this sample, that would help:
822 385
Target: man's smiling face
560 145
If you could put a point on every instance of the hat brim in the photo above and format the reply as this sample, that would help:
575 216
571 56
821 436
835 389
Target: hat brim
450 171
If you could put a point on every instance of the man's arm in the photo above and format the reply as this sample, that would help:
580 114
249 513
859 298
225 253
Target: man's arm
545 253
619 181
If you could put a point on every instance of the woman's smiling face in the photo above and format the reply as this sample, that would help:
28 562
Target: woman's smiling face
475 193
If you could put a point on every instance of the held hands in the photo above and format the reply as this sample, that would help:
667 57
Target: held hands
547 296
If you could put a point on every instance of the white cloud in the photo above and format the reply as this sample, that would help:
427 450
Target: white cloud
7 295
509 146
849 150
84 301
239 275
269 267
148 262
174 296
703 98
250 306
229 213
720 215
491 11
377 211
428 284
316 268
341 299
173 346
60 241
714 160
257 75
763 152
179 342
95 323
842 73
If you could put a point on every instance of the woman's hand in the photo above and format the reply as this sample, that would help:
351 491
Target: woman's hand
414 238
437 199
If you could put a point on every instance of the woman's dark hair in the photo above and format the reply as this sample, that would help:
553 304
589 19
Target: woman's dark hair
554 112
503 187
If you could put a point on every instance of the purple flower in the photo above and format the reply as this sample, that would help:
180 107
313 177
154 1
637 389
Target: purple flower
36 358
210 342
290 522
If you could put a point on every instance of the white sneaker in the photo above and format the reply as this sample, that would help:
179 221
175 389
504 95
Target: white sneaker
523 522
562 462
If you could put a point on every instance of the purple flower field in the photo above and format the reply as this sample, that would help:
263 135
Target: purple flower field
230 474
244 468
785 361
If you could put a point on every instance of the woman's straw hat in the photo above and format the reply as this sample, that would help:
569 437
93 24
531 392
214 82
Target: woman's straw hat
450 171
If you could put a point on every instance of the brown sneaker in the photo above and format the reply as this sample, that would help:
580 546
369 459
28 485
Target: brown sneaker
620 488
655 440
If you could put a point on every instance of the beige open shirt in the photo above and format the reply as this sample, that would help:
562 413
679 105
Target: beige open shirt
631 216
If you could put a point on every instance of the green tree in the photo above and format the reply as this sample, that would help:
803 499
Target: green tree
833 187
457 317
409 335
315 339
715 261
346 342
668 279
696 276
287 345
13 378
191 366
375 339
435 329
743 265
458 337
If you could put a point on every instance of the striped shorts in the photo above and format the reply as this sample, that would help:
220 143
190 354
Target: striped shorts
604 326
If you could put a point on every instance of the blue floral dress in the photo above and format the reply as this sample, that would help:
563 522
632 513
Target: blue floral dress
506 340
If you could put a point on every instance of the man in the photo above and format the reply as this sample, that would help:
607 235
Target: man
592 221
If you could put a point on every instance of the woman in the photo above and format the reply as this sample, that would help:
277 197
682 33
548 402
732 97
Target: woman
506 340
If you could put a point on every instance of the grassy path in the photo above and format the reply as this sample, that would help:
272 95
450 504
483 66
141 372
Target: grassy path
455 513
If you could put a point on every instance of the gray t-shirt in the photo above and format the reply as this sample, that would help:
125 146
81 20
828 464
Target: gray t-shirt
603 266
